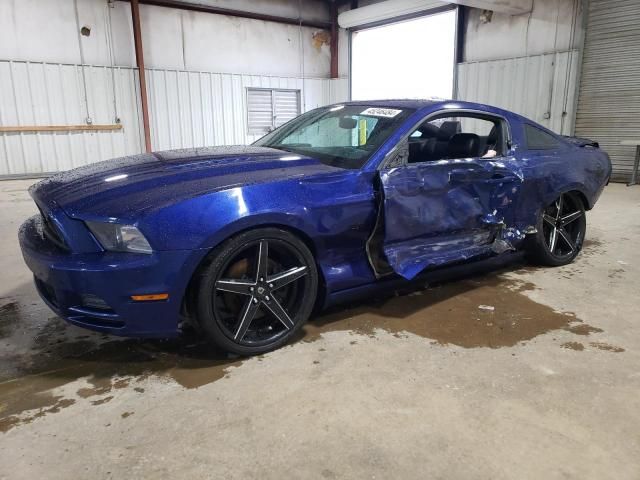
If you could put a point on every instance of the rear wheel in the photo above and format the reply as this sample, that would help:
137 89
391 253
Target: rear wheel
257 291
561 230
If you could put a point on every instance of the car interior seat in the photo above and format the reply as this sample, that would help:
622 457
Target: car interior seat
446 131
421 148
464 145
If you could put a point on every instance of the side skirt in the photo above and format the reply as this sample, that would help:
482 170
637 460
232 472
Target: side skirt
391 283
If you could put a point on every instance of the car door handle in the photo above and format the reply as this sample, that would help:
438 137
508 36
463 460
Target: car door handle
413 184
465 176
504 177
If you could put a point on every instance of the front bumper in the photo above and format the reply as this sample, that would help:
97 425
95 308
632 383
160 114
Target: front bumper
66 281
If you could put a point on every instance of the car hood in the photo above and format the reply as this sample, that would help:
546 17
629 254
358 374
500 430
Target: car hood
131 186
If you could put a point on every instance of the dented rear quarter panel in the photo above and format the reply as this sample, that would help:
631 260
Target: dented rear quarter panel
548 173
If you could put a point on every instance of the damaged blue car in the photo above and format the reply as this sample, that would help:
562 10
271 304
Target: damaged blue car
246 241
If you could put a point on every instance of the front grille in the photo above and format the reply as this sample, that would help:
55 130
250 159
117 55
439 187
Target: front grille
51 232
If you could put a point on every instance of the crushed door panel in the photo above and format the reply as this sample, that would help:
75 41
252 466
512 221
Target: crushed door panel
446 211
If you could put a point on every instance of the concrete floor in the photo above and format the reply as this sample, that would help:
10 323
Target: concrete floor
520 373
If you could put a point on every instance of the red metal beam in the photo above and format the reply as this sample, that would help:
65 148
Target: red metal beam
137 39
196 7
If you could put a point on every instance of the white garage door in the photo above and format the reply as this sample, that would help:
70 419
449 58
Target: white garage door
609 101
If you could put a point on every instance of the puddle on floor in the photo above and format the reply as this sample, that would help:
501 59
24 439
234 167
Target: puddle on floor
488 311
491 312
606 347
598 345
590 248
583 329
573 346
109 367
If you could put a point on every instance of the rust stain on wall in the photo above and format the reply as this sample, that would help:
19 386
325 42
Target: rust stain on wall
320 38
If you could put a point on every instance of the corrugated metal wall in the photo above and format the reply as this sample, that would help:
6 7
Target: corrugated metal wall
201 108
186 109
540 87
53 94
609 100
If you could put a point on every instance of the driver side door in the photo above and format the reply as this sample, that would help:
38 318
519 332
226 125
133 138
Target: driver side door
442 202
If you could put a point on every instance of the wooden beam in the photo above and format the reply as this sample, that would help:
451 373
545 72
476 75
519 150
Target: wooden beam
137 39
60 128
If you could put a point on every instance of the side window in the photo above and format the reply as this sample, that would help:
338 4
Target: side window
538 139
456 137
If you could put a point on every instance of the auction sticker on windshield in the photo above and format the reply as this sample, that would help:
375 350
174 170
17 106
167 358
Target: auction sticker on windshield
381 112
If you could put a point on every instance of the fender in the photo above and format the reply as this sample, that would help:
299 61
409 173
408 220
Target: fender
570 187
268 219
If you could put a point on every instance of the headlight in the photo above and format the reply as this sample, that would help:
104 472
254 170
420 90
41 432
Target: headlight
119 238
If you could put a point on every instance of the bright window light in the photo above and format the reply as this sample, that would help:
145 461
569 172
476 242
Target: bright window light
409 59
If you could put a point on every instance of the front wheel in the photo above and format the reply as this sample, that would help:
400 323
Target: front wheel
257 291
561 230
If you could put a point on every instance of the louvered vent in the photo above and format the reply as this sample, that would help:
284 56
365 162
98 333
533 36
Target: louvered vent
268 109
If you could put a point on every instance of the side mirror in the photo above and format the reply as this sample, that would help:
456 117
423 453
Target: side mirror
348 123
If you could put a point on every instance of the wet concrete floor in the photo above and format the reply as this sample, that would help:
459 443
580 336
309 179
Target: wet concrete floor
538 364
484 310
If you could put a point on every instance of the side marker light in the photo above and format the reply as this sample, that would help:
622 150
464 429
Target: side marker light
150 298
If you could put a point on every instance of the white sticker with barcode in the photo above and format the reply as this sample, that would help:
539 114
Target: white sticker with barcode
381 112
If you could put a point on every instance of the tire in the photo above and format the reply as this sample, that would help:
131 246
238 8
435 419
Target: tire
566 217
257 290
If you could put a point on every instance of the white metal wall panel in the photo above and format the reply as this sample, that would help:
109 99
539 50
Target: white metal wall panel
200 108
338 90
53 94
540 87
609 99
187 109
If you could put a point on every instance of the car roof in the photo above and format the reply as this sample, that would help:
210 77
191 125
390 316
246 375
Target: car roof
433 103
397 103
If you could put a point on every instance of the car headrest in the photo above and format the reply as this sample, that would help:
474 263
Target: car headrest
429 130
448 129
464 145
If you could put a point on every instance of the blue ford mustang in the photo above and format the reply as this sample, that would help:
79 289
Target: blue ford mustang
245 241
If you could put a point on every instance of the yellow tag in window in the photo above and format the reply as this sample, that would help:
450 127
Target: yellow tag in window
362 132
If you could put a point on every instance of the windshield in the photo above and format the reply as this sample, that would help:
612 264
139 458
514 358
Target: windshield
343 136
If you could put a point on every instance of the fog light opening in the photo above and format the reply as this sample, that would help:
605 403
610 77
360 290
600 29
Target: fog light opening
94 302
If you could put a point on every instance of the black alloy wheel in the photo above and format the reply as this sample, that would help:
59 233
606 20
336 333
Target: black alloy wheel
561 231
258 290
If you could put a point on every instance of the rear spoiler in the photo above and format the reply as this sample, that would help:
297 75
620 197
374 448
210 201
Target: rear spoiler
581 142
